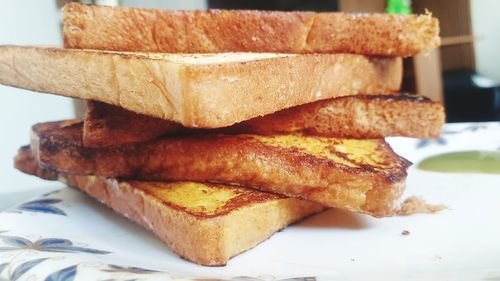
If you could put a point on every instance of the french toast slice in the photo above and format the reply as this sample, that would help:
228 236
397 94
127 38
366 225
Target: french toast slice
360 116
213 31
204 223
359 175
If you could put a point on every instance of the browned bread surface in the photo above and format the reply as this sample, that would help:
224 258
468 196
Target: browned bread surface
197 90
107 125
359 116
204 223
213 31
359 175
25 162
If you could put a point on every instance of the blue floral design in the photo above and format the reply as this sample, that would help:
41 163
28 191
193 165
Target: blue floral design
474 128
65 274
25 267
300 279
449 132
42 206
113 279
425 143
471 128
3 266
247 278
51 193
56 245
128 269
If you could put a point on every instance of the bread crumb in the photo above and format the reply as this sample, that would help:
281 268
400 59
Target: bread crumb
417 205
405 233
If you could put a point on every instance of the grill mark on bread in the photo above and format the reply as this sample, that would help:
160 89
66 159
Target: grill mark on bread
243 197
395 97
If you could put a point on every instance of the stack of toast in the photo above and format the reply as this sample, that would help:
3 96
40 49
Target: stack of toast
215 129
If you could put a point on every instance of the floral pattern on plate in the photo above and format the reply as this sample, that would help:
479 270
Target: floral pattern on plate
52 259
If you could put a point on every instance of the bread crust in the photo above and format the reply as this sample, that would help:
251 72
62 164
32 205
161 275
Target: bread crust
212 31
360 116
107 125
207 241
212 94
26 162
203 237
359 175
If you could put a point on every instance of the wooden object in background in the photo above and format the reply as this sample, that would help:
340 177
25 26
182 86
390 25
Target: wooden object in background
362 6
426 72
455 22
428 78
455 40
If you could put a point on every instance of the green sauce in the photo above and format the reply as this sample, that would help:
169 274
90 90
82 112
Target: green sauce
486 162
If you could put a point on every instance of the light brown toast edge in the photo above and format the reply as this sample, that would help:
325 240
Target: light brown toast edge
360 116
210 95
212 31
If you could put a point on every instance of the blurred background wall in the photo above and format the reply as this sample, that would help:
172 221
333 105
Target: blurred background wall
26 22
486 26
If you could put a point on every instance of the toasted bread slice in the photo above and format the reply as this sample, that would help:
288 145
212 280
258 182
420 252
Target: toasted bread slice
107 125
208 91
25 162
204 223
213 31
359 116
359 175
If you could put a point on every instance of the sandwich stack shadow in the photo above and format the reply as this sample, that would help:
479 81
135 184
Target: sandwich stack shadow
227 125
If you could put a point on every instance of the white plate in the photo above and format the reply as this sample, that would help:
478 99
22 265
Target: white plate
67 236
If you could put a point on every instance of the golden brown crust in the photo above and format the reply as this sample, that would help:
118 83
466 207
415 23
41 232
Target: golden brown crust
360 116
224 90
25 162
132 29
210 241
359 175
246 219
107 125
239 197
